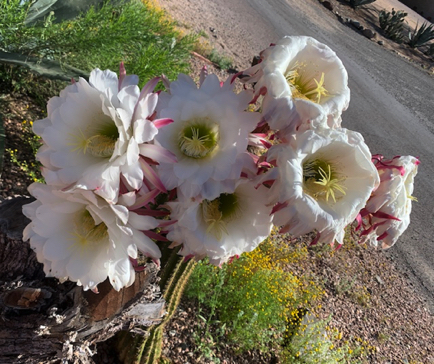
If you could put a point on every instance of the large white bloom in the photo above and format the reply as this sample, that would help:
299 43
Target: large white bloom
229 225
93 132
304 82
209 136
80 237
387 213
323 179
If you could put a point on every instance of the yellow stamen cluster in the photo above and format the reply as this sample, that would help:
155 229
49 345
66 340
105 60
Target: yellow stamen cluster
213 217
194 146
320 183
98 145
303 86
86 233
219 212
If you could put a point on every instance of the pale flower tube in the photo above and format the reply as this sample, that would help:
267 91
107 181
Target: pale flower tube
80 237
304 83
322 180
224 227
387 213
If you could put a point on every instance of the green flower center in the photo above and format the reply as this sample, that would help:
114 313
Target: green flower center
320 180
198 139
86 233
103 141
303 85
218 212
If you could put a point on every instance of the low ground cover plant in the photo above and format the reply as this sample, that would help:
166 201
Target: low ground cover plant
256 302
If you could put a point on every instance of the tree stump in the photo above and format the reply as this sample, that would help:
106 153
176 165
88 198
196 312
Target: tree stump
44 321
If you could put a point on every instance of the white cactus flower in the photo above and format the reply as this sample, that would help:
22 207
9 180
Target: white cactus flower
387 213
93 133
229 225
322 180
305 85
81 237
209 136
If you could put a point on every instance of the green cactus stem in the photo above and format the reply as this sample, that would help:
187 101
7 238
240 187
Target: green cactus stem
137 349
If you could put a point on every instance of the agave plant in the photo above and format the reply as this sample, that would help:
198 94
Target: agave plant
392 23
356 3
421 36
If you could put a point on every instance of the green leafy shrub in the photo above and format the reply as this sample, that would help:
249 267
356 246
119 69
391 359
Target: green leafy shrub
255 297
133 32
393 24
421 35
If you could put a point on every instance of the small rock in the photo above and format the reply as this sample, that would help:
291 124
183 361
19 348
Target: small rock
380 42
379 280
368 33
328 5
172 332
356 24
212 30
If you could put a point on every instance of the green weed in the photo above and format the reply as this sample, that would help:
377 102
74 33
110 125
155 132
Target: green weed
135 33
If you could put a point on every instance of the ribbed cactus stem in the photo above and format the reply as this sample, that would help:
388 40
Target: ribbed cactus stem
174 276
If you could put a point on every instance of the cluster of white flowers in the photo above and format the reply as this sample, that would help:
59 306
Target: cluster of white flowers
110 149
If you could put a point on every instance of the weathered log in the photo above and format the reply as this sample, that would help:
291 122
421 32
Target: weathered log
44 321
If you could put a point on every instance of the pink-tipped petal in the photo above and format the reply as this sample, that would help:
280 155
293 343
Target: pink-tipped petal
383 215
382 236
166 82
261 92
165 223
149 87
157 153
151 175
359 221
279 206
122 74
162 122
154 213
155 236
136 266
143 200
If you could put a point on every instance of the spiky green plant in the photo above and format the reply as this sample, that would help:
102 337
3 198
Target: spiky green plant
393 24
421 35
